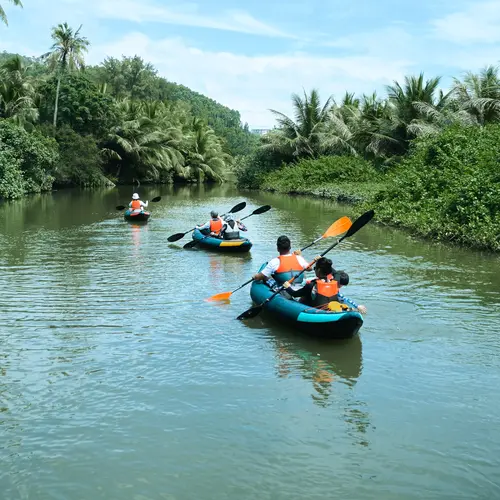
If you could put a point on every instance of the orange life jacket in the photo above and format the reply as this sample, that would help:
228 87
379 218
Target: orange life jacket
216 225
288 268
136 204
326 291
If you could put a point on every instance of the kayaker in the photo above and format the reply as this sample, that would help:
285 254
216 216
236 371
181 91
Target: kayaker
136 204
325 288
232 228
215 225
285 266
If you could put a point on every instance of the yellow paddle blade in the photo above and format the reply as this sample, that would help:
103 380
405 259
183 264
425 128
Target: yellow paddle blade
220 296
338 227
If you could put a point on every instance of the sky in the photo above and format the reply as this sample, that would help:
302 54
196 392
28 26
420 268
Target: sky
252 55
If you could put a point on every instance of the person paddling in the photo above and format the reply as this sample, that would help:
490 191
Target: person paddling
215 225
285 266
232 228
325 288
136 204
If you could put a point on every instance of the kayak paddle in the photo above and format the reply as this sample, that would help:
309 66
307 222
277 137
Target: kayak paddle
154 200
257 211
236 208
337 228
356 226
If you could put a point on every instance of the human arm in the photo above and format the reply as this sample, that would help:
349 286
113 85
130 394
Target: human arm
268 271
241 226
362 309
204 226
303 291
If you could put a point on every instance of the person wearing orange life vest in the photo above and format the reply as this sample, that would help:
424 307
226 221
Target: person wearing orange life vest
325 288
214 226
136 204
285 266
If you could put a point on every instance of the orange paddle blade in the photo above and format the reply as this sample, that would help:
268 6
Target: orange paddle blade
338 227
220 296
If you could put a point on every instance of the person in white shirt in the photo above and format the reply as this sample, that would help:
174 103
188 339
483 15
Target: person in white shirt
285 266
231 229
136 204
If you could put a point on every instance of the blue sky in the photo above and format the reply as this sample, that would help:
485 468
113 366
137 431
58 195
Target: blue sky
251 55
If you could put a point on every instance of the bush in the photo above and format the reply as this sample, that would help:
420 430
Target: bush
448 188
80 160
250 170
313 174
27 161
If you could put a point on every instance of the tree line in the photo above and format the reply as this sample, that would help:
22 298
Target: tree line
426 159
113 122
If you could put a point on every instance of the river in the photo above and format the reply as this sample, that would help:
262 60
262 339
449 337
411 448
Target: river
119 381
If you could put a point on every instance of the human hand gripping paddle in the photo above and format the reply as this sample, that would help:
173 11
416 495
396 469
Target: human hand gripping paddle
337 228
257 211
154 200
237 208
356 226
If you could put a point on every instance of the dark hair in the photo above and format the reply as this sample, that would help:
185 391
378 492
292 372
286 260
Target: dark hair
324 266
283 244
342 277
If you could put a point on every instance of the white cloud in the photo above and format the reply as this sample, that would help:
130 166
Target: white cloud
479 23
253 84
185 14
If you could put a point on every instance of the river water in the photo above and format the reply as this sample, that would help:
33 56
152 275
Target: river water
118 381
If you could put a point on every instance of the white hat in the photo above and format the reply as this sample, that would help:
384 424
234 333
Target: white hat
229 217
135 196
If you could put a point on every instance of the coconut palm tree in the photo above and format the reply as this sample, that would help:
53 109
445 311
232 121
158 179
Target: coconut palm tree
17 92
304 136
205 157
145 144
66 54
479 94
3 16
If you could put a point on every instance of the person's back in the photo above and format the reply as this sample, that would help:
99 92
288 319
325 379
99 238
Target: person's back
214 226
284 267
136 204
231 230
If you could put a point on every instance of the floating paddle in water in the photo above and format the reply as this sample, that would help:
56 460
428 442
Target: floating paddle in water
257 211
237 208
356 226
154 200
336 229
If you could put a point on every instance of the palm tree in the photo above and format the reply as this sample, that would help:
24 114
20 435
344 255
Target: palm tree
304 136
479 95
17 92
145 143
3 16
205 157
66 54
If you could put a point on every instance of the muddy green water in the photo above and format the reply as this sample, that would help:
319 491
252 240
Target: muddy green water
118 381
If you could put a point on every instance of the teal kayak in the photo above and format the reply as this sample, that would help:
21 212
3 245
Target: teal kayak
307 319
221 245
136 216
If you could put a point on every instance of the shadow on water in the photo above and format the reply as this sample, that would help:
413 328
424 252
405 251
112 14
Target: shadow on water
330 367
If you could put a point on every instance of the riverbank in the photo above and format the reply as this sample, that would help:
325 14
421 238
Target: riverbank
447 189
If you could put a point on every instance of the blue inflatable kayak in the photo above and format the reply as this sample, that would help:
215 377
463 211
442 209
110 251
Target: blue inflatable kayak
317 322
217 244
136 216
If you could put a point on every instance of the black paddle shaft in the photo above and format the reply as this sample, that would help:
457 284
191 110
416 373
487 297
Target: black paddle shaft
358 224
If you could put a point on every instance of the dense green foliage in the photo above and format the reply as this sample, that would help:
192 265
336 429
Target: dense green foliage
448 188
119 120
27 161
426 160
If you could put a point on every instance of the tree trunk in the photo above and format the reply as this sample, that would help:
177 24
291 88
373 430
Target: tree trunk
57 100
